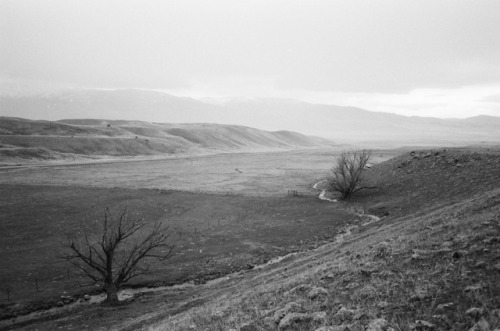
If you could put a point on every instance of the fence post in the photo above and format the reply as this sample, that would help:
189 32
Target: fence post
7 289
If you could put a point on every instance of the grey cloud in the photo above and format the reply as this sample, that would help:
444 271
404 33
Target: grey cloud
362 46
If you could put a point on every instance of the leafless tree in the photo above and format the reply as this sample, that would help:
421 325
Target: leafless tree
119 252
347 173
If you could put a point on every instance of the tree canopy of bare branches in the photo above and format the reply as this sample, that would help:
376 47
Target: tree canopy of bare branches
347 173
118 252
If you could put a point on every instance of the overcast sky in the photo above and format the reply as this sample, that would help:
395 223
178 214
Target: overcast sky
426 57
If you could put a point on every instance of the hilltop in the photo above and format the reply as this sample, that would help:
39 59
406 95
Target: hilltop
420 252
25 140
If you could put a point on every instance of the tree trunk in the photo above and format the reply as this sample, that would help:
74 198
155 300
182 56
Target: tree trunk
111 294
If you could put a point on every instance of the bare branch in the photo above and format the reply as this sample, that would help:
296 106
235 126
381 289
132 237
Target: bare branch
347 173
99 260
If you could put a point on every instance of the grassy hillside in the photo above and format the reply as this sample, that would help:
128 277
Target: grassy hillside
20 126
22 139
432 262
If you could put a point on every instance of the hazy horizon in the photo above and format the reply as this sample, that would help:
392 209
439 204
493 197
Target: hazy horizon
425 58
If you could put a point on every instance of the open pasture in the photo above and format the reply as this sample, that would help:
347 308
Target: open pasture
224 211
271 173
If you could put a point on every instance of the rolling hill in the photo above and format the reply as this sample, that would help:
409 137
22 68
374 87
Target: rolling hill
341 124
28 139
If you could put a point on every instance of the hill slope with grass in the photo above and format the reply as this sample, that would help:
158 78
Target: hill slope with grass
24 139
430 260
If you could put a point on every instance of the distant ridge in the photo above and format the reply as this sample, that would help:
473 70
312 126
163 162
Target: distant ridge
35 140
338 123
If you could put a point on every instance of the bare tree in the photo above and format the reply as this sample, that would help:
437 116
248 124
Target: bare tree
347 173
119 252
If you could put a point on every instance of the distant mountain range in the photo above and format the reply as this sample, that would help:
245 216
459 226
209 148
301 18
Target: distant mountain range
341 124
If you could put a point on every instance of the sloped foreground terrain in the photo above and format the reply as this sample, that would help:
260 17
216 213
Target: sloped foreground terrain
423 253
432 262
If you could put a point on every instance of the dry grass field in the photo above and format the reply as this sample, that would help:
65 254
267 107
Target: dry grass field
239 173
225 212
430 263
256 174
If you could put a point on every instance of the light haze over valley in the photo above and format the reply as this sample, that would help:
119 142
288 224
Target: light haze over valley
250 165
428 58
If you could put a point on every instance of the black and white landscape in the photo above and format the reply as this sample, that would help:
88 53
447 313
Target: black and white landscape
249 165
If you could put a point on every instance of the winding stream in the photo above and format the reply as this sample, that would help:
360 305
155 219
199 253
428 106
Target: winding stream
322 195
